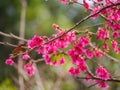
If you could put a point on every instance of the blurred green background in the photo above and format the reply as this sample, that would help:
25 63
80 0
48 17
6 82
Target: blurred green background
40 15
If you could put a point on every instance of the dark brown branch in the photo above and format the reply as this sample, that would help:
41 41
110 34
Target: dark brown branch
100 80
81 21
95 78
94 84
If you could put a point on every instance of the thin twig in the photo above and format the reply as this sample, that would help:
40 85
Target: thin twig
94 84
95 78
100 24
38 60
21 34
78 3
12 36
112 58
107 55
8 44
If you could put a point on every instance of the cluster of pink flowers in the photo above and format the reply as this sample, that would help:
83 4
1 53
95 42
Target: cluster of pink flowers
94 10
35 42
111 14
81 51
74 71
76 55
65 40
52 47
30 69
103 74
106 47
89 53
115 46
115 34
102 33
98 53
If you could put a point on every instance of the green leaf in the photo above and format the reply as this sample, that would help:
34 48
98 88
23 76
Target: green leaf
56 57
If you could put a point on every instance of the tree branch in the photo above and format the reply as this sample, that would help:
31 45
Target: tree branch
12 36
81 21
21 34
95 78
8 44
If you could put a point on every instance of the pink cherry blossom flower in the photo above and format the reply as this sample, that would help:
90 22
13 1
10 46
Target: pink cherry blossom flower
115 34
54 26
42 50
25 56
102 73
115 26
86 5
108 2
105 46
81 64
30 69
114 16
89 54
83 41
31 44
98 53
102 33
62 61
65 40
99 0
71 52
103 85
87 77
94 10
74 55
55 63
74 71
35 42
78 50
50 47
63 1
116 50
71 37
114 44
47 59
9 61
